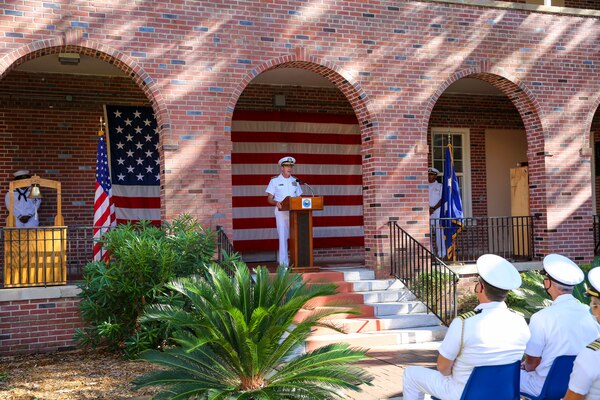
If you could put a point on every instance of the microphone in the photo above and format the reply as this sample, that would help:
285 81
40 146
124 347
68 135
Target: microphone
307 185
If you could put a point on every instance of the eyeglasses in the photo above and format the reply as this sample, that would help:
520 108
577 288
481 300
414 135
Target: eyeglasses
477 287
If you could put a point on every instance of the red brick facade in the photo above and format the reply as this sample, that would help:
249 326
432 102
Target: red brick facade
193 62
40 325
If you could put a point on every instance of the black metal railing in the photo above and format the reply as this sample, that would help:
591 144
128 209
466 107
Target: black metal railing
224 245
509 237
424 274
47 256
596 226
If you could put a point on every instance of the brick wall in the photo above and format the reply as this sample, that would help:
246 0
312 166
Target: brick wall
391 61
37 325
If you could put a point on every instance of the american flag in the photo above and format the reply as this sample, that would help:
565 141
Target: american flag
104 209
327 152
134 162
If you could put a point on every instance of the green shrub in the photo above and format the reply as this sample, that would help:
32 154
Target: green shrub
142 259
239 340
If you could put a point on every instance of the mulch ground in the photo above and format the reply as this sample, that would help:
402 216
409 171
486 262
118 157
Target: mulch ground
71 375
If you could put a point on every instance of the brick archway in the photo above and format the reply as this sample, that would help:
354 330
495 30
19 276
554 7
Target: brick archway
349 88
531 114
99 51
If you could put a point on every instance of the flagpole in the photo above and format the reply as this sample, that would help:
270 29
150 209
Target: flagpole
449 204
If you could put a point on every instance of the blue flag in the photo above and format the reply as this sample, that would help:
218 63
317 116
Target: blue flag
452 211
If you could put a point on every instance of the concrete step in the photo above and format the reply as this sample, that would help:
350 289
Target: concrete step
387 296
344 299
392 322
405 307
355 274
377 339
376 284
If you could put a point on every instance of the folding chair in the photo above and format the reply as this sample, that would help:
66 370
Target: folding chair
498 382
557 382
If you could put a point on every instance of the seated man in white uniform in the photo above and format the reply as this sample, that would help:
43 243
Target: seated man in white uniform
25 209
585 378
280 187
564 328
492 334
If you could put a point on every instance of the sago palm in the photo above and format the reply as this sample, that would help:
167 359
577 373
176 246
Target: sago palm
238 340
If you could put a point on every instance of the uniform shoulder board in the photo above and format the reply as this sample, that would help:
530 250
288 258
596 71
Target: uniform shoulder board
595 345
469 314
273 177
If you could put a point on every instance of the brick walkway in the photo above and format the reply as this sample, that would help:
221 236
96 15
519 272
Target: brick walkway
387 366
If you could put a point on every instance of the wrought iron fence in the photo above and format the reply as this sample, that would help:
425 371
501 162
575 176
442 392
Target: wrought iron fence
47 256
509 237
424 274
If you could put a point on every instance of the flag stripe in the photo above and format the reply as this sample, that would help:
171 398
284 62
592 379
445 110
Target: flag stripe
316 179
288 116
260 201
104 210
270 244
251 223
264 137
314 158
327 148
267 212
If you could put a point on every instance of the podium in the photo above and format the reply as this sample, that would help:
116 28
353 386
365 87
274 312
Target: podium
301 225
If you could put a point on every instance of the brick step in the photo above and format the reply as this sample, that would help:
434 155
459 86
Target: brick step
323 276
393 322
343 299
342 286
377 339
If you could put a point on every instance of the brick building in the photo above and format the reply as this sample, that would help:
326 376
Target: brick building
510 81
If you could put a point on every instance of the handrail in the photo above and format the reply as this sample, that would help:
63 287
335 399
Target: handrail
424 274
510 237
224 245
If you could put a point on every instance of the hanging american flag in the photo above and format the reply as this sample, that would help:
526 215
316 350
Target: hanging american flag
134 161
327 152
104 209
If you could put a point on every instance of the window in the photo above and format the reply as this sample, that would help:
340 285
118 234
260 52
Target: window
459 138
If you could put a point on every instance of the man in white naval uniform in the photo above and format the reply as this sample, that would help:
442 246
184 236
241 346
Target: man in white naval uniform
25 209
435 205
279 188
564 328
585 378
492 334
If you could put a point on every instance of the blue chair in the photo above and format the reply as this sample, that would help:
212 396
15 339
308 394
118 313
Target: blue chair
557 382
498 382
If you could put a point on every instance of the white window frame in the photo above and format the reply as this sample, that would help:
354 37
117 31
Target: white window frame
466 174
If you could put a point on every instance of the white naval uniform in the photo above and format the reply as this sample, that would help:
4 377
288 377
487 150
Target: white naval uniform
494 336
564 328
24 206
585 378
281 188
435 195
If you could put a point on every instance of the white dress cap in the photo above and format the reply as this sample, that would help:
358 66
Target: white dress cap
21 172
287 160
594 278
498 272
433 170
563 270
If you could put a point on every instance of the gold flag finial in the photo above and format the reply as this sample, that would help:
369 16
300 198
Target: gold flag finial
101 131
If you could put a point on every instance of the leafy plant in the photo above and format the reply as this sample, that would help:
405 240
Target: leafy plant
143 258
240 340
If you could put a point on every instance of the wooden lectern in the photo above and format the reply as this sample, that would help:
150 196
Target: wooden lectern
301 238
